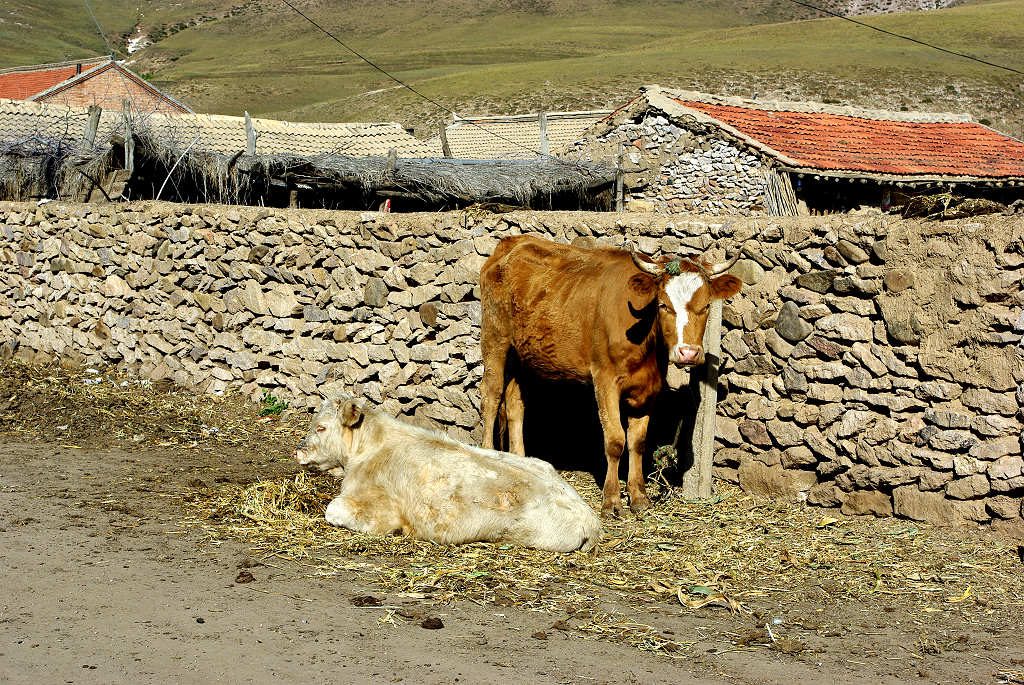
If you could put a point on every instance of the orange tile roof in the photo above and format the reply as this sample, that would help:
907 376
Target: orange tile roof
821 140
20 85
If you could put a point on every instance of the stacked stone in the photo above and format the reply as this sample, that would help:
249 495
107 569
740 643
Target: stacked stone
834 385
674 169
256 299
830 399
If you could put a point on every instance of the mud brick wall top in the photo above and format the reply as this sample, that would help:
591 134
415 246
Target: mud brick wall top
871 364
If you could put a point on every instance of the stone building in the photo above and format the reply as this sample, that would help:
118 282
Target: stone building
98 81
682 151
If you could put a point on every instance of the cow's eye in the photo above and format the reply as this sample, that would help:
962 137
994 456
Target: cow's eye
321 429
662 305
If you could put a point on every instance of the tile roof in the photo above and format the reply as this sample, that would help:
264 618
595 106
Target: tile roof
843 139
20 83
838 142
226 134
20 120
513 137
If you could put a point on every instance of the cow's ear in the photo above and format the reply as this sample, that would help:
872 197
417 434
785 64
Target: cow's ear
350 414
725 287
642 284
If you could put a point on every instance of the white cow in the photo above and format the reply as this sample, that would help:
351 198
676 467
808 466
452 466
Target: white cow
402 479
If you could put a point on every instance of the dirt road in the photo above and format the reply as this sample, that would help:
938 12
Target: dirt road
102 583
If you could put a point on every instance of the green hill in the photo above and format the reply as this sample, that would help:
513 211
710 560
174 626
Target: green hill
513 56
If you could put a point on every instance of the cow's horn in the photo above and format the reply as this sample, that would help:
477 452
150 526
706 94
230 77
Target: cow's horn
643 262
716 269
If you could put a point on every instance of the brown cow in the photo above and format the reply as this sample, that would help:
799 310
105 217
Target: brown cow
604 316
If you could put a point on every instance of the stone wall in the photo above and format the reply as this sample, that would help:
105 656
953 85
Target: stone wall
669 168
870 364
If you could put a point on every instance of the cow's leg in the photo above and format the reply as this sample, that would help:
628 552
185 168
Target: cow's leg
377 514
614 441
636 439
341 512
493 383
514 411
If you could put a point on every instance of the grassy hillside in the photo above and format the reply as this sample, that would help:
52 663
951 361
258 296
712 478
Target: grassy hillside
523 55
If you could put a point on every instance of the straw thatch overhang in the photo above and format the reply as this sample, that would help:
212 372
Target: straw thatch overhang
350 182
539 183
75 154
45 166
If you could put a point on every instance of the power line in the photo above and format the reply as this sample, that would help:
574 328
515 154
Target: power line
900 35
102 35
413 90
111 51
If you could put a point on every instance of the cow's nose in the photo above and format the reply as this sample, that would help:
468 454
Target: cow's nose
299 455
690 354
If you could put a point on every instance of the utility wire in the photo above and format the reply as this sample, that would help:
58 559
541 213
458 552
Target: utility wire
102 35
111 51
425 97
900 35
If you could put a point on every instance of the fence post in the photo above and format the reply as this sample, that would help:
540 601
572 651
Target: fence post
250 136
619 200
442 130
92 124
542 120
697 480
129 137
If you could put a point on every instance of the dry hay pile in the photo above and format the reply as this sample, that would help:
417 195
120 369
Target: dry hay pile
732 552
949 206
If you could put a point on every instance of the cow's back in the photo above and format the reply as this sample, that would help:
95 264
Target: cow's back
546 297
450 492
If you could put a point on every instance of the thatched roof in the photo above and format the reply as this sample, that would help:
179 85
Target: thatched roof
44 150
433 181
522 182
203 158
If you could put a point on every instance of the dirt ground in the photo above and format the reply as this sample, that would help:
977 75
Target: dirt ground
105 580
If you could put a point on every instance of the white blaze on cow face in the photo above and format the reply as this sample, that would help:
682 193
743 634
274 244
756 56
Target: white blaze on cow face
680 290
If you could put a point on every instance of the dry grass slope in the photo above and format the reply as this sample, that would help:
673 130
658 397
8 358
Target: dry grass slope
509 56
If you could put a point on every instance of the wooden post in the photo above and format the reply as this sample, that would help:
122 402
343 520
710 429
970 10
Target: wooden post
442 130
619 199
250 136
545 147
697 480
129 137
92 124
392 161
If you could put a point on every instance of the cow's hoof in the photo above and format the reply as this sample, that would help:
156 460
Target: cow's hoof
611 511
639 504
